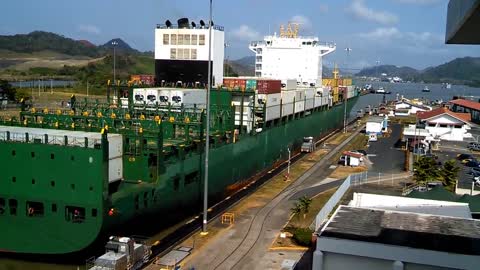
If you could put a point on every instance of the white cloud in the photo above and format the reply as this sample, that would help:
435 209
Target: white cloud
382 34
358 9
244 32
323 8
88 28
419 2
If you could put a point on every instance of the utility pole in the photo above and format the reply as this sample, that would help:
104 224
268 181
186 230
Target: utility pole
345 95
376 69
226 45
289 158
207 126
114 44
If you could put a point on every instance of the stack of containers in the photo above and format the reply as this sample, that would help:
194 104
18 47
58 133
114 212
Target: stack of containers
234 83
319 93
309 98
350 91
288 96
342 91
247 120
139 96
299 100
269 93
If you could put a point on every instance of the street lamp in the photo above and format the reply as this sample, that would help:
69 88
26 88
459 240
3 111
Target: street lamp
207 132
226 45
376 69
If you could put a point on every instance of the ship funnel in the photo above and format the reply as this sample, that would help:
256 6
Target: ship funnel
202 23
168 23
183 23
194 25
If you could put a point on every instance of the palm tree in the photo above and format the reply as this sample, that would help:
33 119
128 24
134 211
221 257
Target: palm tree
425 170
296 209
449 174
305 203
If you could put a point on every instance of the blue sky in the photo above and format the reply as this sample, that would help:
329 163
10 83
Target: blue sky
398 32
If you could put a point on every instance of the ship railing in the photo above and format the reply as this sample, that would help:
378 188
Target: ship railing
50 139
175 26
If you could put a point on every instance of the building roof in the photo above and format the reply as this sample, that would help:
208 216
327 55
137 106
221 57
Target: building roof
412 104
466 103
375 119
420 231
412 205
352 154
464 117
440 193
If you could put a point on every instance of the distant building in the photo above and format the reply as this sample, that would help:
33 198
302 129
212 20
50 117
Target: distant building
352 158
370 239
376 125
467 106
406 107
446 125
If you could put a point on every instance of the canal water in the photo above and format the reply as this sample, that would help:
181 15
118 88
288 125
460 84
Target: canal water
408 90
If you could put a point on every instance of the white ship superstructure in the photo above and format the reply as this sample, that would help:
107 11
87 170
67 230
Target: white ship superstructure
290 56
181 53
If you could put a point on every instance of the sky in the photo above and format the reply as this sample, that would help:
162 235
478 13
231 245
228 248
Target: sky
397 32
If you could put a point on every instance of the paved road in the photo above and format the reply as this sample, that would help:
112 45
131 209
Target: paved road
245 246
385 157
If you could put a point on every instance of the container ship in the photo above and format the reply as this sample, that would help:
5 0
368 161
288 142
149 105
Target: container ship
72 176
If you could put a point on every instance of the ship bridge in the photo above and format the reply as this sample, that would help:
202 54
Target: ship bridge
290 56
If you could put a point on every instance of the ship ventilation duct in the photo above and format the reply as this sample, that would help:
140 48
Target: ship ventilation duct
183 23
194 25
202 23
168 23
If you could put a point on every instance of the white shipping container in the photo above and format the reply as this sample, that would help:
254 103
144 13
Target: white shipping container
139 96
115 146
290 84
115 169
272 112
287 102
164 96
299 95
309 103
269 99
152 96
188 98
318 101
299 106
309 93
247 120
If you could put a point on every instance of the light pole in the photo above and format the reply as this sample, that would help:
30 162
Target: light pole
114 44
345 95
376 69
207 126
288 166
226 45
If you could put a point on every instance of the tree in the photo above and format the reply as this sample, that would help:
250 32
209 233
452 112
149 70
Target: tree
425 170
296 209
305 203
449 173
8 89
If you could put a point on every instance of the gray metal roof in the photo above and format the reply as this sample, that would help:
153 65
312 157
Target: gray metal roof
438 233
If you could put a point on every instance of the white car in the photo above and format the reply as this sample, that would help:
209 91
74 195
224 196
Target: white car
476 179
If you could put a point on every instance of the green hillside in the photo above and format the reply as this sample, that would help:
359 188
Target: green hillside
465 69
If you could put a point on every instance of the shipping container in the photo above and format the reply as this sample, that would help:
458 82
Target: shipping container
188 98
251 85
347 82
290 84
272 112
235 83
269 86
139 96
164 96
270 100
247 120
115 169
299 95
299 106
151 96
309 98
287 102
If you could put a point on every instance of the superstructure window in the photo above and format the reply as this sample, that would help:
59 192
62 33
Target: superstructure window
186 53
2 206
180 40
194 40
13 204
201 40
75 214
193 54
186 39
173 54
35 209
173 39
166 39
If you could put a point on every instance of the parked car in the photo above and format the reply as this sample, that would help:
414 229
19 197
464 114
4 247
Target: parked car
475 169
477 180
464 156
472 163
473 172
465 161
473 145
475 148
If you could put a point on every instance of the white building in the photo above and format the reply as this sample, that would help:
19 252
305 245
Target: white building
377 239
406 107
376 125
181 53
446 125
289 56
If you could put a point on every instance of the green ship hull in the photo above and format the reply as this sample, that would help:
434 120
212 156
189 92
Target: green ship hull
70 182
